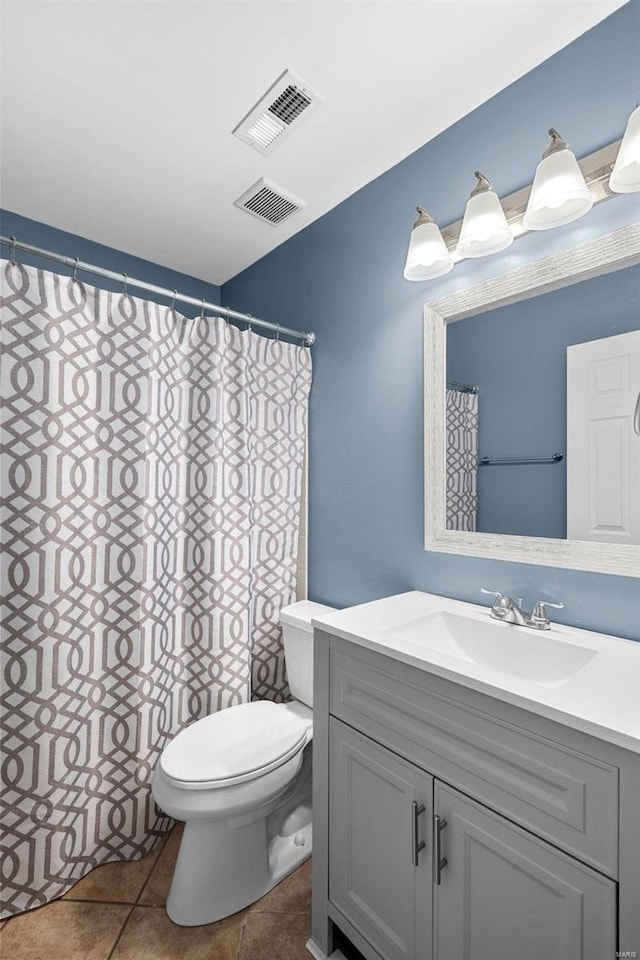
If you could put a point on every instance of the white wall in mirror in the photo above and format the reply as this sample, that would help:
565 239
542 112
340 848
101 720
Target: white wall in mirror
516 409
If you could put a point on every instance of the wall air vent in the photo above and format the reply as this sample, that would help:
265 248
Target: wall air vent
268 202
278 113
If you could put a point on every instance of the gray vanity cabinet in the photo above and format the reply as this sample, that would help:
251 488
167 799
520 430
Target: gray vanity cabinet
503 893
380 849
500 892
542 834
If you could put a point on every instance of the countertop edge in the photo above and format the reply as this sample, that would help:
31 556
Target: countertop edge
582 724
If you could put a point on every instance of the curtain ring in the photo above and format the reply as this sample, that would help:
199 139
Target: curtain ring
277 331
173 300
12 254
124 285
249 323
75 270
202 311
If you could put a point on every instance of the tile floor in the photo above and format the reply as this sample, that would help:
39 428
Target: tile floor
117 913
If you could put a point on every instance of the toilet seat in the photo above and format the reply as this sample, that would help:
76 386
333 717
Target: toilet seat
233 746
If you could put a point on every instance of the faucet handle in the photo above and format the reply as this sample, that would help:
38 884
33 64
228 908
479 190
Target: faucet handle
501 605
501 596
539 617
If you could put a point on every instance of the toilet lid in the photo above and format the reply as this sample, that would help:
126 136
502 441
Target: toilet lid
234 745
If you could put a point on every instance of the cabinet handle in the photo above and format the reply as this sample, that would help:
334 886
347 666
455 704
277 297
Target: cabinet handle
416 847
439 823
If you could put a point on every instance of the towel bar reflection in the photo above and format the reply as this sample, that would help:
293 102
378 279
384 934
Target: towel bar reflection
489 461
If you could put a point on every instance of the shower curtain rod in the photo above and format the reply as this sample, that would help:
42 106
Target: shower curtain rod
76 264
461 387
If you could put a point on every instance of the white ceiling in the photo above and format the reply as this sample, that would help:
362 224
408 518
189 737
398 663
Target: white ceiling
117 114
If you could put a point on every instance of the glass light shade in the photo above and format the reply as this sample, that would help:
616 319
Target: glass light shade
559 193
626 170
427 256
484 228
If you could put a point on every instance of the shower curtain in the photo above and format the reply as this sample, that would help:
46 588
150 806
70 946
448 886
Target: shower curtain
462 460
152 477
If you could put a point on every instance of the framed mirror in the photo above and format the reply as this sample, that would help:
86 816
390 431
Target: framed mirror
532 412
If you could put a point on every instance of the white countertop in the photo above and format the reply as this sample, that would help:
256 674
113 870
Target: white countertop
601 698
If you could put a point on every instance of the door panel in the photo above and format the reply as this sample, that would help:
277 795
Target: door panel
506 894
372 879
603 447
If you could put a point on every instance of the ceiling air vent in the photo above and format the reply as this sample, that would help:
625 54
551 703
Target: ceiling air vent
268 202
281 110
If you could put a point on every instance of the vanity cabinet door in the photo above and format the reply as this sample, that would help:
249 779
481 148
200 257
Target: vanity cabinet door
503 893
378 878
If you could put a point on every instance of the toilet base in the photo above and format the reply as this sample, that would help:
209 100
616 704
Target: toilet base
202 893
221 868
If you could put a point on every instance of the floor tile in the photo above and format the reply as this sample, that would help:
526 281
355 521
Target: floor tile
150 935
64 930
120 881
275 936
291 895
154 893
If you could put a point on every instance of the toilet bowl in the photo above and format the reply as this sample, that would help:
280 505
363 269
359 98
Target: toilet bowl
240 779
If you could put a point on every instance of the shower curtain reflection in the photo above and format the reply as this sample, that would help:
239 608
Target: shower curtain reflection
462 459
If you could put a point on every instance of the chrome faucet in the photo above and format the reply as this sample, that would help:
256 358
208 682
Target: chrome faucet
510 611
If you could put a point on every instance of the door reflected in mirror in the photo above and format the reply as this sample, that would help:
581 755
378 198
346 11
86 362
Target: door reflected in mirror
543 414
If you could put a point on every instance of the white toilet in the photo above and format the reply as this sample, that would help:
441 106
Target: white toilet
241 781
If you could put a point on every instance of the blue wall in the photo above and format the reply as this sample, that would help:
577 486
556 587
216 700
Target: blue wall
516 355
68 244
342 277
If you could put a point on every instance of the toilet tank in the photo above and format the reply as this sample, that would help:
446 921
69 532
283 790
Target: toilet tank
297 636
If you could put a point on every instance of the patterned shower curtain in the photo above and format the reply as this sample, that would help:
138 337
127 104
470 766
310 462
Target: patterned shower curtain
152 477
462 460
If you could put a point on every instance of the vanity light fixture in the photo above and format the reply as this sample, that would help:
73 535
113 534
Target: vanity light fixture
625 177
427 256
559 193
563 190
484 229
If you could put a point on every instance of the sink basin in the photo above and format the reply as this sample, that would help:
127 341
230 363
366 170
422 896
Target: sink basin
509 650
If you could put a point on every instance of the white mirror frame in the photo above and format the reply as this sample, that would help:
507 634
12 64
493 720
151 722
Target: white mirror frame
593 258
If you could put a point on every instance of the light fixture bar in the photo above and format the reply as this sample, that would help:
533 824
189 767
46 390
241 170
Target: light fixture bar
596 169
